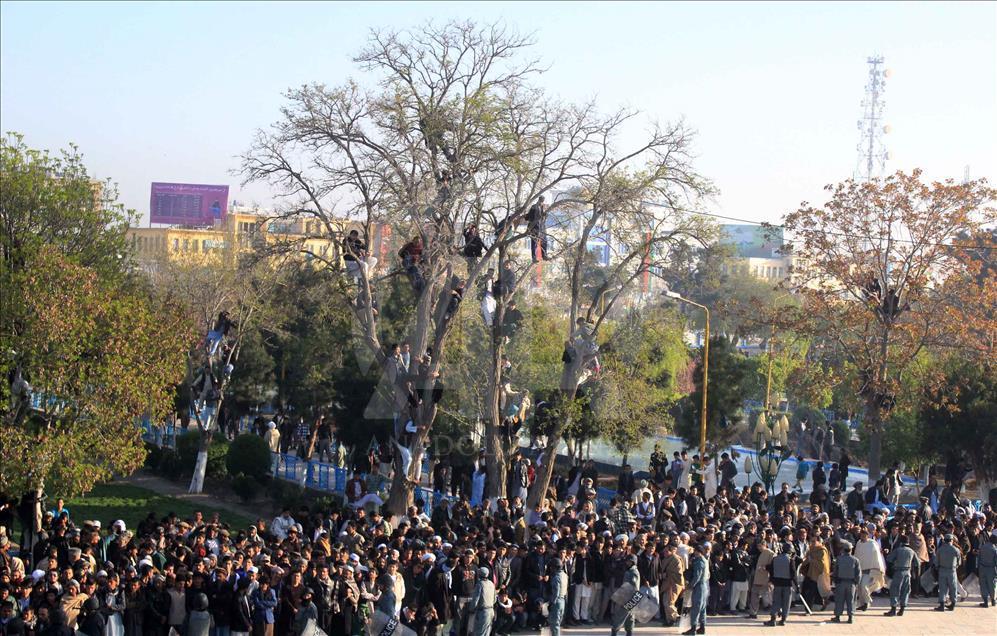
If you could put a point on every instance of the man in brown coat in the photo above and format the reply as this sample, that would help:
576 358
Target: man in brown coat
671 582
760 581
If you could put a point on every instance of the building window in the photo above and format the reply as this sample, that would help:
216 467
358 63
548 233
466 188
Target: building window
176 245
206 245
186 245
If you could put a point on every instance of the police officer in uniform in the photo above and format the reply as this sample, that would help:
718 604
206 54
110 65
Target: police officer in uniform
947 559
483 604
782 570
622 617
986 563
699 583
847 573
558 596
903 560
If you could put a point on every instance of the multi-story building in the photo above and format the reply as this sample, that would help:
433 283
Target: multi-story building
245 228
760 252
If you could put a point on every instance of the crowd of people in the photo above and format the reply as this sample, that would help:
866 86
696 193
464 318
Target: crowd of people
658 551
676 545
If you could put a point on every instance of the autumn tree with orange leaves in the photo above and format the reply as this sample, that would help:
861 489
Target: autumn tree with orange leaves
883 270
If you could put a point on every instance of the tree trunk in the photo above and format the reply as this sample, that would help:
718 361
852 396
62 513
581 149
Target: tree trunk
874 421
496 461
546 470
200 464
985 480
401 495
569 388
495 452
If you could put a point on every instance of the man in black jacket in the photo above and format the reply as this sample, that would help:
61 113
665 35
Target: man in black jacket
535 580
241 617
536 226
728 471
438 592
647 566
221 598
326 597
625 482
856 499
464 581
836 508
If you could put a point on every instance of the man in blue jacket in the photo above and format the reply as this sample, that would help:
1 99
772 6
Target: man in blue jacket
698 579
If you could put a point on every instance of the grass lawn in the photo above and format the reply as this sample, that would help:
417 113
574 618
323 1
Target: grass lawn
108 502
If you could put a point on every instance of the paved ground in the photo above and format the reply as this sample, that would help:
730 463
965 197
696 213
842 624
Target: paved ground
966 620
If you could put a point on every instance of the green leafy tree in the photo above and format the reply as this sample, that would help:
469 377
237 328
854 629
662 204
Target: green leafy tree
52 200
98 357
248 455
960 419
97 348
641 361
253 379
731 375
904 441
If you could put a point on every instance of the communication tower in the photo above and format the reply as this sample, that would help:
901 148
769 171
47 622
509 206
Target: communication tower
872 154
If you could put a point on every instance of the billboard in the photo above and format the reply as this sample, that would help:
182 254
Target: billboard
188 203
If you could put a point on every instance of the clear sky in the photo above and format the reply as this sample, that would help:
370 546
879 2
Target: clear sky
173 91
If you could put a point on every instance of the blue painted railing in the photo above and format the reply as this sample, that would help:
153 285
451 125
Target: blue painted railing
320 476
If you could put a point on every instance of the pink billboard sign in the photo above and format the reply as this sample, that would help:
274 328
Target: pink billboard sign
188 203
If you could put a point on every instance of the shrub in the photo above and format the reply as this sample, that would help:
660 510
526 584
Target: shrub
169 464
248 455
153 456
245 487
187 451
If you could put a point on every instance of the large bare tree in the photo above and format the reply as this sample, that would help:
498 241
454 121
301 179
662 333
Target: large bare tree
641 201
447 130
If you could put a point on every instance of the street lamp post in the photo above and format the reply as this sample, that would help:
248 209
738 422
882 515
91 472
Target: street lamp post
770 345
706 368
771 444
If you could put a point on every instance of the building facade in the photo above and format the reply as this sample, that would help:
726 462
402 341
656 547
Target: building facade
245 228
